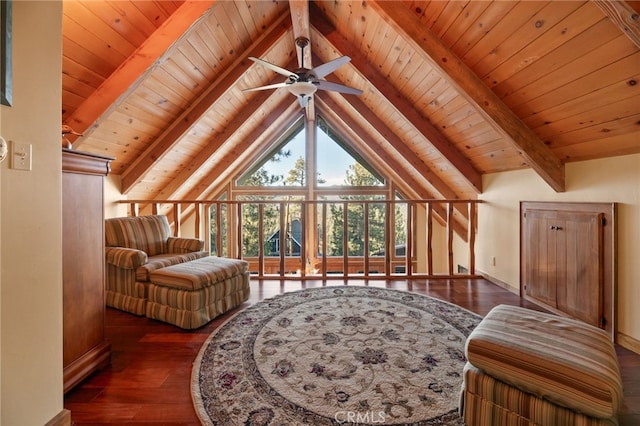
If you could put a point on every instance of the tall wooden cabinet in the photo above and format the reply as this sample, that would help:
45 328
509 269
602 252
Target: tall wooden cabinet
568 259
85 348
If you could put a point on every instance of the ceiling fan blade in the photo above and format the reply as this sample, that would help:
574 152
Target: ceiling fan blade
270 86
275 68
327 68
335 87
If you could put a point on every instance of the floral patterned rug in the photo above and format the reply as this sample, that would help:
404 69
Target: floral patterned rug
335 355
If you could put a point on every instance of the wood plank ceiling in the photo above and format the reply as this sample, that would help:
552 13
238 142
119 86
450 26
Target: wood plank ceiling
452 90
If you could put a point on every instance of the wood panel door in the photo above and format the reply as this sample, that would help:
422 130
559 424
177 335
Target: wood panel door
567 259
581 266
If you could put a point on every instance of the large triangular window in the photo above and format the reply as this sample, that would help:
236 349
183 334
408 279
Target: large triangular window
282 165
285 164
338 164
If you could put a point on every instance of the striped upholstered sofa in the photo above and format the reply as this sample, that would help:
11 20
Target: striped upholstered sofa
135 247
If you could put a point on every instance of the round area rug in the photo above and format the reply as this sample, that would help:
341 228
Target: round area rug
335 355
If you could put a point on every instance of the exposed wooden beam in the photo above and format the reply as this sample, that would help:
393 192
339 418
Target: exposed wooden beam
264 143
336 115
168 139
300 20
268 115
624 16
408 156
343 122
216 142
535 153
386 89
135 66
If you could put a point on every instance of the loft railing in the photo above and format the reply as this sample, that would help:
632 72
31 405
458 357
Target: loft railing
324 239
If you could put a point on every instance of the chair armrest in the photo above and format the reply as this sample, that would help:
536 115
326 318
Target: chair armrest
125 258
184 245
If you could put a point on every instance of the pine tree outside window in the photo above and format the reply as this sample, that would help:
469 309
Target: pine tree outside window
339 171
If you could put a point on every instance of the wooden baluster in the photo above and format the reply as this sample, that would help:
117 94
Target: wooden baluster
239 230
218 230
261 240
324 240
450 237
472 238
345 239
429 239
283 239
303 240
177 217
387 238
409 244
366 239
197 220
207 227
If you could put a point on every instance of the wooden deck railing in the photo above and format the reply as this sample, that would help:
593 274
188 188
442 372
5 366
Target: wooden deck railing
426 251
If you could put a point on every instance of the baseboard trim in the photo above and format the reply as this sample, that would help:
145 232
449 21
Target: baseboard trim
498 282
63 418
628 342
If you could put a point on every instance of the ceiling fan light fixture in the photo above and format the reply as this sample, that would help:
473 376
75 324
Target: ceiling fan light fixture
302 88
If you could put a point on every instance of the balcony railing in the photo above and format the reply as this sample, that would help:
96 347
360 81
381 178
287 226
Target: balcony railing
370 239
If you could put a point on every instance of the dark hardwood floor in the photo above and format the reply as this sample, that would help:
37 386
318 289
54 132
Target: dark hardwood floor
148 381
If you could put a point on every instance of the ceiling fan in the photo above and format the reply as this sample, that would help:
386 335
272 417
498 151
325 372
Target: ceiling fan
304 82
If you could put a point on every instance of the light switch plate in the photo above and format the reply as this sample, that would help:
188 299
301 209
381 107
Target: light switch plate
21 156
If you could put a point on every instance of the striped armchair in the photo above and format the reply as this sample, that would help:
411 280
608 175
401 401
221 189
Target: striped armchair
136 246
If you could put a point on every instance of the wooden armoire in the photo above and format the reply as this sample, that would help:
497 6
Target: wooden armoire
85 347
567 259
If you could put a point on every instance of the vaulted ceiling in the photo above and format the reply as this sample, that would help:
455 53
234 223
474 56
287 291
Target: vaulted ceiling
451 90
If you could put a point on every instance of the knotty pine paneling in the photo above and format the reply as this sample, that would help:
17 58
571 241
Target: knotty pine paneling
600 42
514 19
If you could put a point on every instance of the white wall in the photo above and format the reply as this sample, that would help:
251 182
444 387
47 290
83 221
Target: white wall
614 179
112 195
31 224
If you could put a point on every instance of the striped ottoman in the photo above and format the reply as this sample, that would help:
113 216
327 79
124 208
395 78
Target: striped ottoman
192 293
531 368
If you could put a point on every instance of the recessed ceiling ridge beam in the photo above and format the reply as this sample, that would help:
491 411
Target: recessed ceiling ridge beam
536 154
176 130
128 74
405 108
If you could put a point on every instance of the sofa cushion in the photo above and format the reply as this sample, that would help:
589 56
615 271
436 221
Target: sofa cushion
146 233
566 361
184 245
126 258
199 273
164 260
